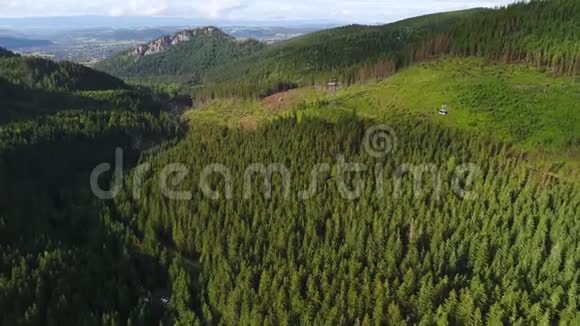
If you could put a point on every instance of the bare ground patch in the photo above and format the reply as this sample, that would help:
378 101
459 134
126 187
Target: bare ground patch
281 102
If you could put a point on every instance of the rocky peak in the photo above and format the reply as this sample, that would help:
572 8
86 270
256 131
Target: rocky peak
163 43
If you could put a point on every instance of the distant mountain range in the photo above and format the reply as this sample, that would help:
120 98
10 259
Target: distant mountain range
20 43
51 24
190 55
89 45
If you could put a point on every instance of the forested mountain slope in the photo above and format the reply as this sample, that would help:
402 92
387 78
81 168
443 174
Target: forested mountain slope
399 253
515 103
324 55
402 252
292 209
185 56
50 75
33 86
543 33
63 258
511 103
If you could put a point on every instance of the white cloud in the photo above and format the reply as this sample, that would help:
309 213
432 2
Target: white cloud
343 10
219 8
139 8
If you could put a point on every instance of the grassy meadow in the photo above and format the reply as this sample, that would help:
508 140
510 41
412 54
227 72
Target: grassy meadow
511 103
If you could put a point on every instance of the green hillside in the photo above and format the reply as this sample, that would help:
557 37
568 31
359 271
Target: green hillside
515 103
63 259
47 74
511 103
398 253
278 200
30 87
542 33
326 55
186 61
392 255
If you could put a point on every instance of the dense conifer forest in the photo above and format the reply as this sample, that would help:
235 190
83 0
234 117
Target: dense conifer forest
46 74
400 255
63 260
31 86
443 195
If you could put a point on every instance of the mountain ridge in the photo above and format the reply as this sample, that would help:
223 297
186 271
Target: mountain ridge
185 55
165 42
337 53
540 33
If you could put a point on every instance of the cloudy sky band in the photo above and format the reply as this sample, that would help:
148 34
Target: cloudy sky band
368 11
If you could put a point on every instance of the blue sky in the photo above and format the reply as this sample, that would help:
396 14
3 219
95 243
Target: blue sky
364 11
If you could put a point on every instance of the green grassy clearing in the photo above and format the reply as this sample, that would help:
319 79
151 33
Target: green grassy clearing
513 103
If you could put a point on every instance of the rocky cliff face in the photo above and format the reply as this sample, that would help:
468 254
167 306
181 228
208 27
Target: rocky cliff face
166 42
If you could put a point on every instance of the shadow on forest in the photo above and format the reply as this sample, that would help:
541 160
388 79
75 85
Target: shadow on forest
46 206
21 102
